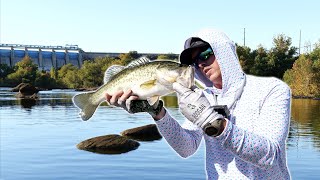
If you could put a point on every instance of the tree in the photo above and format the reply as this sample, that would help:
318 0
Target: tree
26 71
53 73
72 79
162 56
169 56
260 62
128 57
44 80
64 76
315 58
301 78
90 74
281 56
5 70
246 58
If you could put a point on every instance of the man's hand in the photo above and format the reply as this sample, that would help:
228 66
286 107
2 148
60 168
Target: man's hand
196 108
131 104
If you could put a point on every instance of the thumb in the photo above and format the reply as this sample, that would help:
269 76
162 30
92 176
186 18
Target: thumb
180 89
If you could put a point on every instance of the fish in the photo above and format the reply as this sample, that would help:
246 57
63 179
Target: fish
149 80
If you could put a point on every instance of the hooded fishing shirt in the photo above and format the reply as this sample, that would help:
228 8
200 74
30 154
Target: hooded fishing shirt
253 144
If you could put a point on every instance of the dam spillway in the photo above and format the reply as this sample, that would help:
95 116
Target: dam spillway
45 57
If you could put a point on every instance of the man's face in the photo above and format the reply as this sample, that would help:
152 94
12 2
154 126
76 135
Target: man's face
210 68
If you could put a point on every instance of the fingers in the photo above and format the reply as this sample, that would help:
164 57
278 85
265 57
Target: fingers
124 96
120 97
114 98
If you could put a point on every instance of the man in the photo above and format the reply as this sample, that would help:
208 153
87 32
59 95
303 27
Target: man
247 139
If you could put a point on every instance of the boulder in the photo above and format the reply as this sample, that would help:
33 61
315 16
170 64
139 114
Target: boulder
143 133
17 88
108 144
27 91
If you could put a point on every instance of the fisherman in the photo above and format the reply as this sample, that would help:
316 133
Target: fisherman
243 119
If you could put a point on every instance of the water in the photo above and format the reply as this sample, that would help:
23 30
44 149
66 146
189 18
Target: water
38 141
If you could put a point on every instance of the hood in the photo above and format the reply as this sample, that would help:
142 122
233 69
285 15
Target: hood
226 56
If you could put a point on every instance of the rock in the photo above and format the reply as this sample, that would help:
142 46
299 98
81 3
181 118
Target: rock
108 144
17 88
143 133
26 91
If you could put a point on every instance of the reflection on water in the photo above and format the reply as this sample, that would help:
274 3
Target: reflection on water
305 120
48 98
38 139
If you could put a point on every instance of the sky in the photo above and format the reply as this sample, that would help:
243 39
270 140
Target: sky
150 26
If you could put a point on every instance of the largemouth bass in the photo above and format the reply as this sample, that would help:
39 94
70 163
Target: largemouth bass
147 79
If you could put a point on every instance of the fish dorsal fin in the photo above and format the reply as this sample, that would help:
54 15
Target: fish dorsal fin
138 62
115 69
111 71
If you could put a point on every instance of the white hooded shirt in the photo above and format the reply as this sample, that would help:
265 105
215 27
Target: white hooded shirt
253 144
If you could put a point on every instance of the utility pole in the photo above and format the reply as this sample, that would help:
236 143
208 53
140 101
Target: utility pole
300 42
244 36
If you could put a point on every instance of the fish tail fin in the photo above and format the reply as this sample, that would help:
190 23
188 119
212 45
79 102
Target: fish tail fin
85 104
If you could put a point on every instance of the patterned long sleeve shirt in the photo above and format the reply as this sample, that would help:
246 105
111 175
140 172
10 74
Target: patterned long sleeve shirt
253 144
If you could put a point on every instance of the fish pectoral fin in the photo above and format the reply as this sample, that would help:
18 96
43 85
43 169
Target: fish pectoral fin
153 101
148 84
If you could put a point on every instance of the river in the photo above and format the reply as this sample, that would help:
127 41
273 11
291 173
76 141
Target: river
38 141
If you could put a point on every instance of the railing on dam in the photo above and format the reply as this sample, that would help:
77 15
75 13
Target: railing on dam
45 57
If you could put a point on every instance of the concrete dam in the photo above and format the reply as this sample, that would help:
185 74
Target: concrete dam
47 57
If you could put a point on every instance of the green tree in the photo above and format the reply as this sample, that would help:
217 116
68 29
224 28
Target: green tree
162 56
260 63
5 70
128 57
64 69
72 79
53 73
169 56
282 56
246 58
44 80
64 78
26 71
315 58
90 74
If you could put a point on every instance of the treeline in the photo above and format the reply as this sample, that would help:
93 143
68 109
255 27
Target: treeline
300 72
90 75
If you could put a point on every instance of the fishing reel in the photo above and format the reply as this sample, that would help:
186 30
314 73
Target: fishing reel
215 128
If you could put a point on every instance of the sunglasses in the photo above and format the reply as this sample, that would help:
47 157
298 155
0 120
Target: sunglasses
203 56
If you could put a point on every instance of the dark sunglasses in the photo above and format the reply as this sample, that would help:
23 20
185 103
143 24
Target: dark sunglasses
203 56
